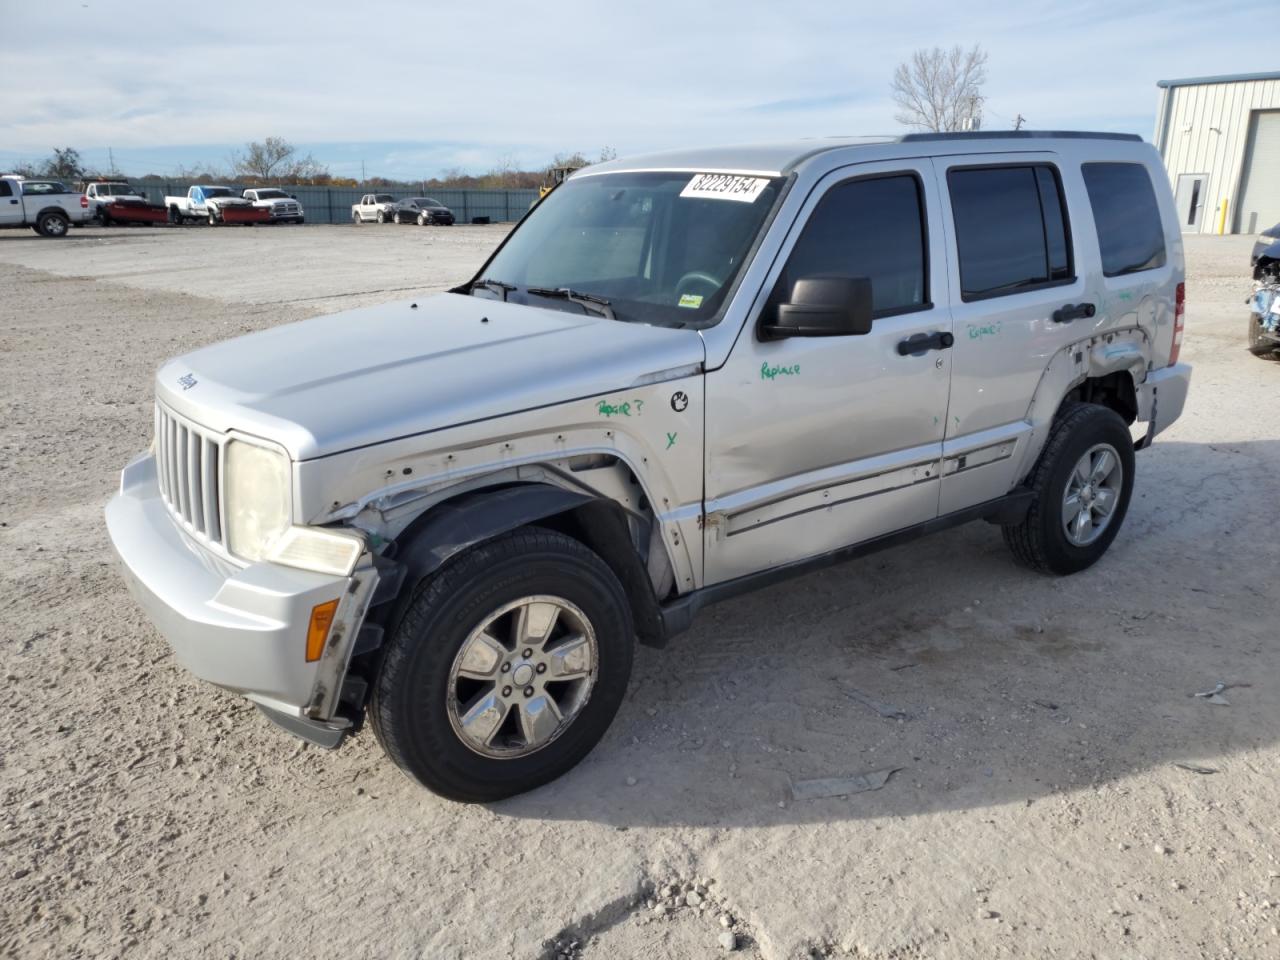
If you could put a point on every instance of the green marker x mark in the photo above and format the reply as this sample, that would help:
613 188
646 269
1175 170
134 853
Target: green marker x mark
671 440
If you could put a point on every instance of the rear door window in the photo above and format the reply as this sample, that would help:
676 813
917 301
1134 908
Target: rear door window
1012 233
873 228
1130 234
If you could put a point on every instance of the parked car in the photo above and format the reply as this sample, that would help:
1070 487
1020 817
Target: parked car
46 206
423 211
1265 244
379 207
1264 313
104 192
664 388
282 207
204 202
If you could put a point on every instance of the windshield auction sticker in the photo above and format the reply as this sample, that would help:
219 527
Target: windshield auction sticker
725 186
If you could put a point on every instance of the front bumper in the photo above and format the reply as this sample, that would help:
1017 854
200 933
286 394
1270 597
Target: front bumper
242 628
1162 396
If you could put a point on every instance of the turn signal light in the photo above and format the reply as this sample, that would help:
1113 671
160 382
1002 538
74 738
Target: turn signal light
322 615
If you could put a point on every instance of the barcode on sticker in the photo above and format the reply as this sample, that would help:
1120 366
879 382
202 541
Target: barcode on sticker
725 186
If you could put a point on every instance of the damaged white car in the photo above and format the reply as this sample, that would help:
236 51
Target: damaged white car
680 378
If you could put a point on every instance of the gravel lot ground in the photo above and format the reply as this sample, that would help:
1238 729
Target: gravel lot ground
1042 807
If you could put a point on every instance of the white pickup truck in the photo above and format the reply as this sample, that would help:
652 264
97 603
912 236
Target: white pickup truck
282 207
46 206
103 193
380 207
203 202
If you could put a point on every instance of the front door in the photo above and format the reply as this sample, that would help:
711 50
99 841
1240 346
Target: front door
1190 200
10 203
814 443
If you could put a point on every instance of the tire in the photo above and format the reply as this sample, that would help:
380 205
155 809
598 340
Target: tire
382 216
175 216
422 219
213 219
1259 345
53 225
1041 541
355 218
414 708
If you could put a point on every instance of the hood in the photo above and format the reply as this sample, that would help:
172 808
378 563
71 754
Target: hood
333 383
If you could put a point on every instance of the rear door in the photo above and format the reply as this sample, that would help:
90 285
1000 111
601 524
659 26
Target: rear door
1016 299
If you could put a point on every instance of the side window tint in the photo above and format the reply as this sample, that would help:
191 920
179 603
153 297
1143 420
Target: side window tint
871 228
1011 229
5 189
1130 234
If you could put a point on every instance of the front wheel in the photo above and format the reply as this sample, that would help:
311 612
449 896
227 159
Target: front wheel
422 219
1082 484
213 220
1259 345
506 668
382 217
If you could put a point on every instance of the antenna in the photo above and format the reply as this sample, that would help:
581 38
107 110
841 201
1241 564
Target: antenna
1017 124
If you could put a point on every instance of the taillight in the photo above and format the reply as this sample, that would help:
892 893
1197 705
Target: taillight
1179 319
84 201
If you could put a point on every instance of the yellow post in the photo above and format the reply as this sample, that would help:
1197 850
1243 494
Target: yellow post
1222 217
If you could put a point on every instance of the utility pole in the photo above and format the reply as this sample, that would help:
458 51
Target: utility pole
112 158
1017 124
363 178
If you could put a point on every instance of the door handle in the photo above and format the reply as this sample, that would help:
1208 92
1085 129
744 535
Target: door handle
919 343
1069 312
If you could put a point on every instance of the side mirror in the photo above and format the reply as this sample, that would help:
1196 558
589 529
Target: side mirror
823 307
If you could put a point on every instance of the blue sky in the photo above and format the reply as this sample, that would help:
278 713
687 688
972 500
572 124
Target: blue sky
413 88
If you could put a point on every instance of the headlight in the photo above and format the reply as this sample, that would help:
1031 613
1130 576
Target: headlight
324 551
257 498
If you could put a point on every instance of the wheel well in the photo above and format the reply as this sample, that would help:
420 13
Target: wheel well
51 210
1115 391
602 526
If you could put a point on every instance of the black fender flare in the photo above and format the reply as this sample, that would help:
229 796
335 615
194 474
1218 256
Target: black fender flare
457 524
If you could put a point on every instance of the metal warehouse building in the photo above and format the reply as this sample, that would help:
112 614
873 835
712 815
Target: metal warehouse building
1220 140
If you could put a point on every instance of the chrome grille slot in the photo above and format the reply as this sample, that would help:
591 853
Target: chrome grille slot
190 485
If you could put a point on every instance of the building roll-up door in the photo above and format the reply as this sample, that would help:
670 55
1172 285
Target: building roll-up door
1259 206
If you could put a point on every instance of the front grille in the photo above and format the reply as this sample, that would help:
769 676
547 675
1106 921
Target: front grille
187 462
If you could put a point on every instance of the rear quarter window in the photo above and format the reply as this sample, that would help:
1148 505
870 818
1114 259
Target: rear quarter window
1130 234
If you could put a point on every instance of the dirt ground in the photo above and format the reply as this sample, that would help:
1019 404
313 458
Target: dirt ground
1059 791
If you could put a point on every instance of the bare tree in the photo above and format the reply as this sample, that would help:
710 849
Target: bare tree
276 159
941 90
65 164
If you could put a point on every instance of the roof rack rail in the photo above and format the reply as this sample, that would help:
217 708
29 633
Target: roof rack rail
1018 135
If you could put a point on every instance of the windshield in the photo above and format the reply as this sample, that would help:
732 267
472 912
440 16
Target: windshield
217 191
662 248
272 195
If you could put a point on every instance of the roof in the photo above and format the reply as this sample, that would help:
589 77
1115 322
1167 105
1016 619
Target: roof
776 159
1224 78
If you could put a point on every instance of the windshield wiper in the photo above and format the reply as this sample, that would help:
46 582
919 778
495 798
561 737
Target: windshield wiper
597 305
503 288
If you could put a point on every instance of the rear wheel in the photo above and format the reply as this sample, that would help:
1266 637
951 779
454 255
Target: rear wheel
1082 482
53 224
506 668
1259 345
355 218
